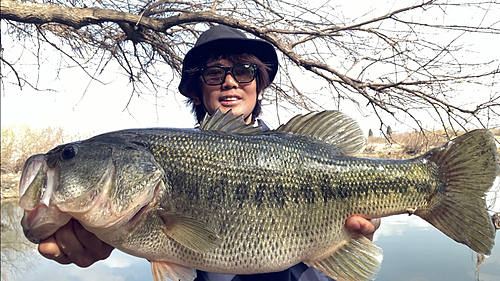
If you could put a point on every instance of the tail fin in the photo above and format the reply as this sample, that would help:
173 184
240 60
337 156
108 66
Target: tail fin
468 165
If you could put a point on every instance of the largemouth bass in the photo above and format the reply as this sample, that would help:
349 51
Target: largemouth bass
229 198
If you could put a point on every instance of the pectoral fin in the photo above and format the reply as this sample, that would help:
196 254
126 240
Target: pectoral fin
163 271
189 231
356 259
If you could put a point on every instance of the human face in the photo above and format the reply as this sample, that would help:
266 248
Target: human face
239 97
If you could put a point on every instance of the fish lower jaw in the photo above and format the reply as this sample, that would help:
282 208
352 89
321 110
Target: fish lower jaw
42 222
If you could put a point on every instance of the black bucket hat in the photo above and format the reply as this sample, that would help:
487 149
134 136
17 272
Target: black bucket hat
225 37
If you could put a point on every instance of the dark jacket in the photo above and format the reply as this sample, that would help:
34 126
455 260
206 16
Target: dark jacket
298 272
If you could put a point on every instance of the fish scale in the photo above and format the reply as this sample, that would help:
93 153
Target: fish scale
229 198
264 196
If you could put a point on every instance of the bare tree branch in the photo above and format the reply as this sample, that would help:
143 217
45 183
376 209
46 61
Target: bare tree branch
395 61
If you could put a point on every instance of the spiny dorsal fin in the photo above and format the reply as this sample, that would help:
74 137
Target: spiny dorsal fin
227 122
333 127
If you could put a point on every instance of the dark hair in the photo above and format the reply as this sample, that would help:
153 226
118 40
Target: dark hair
193 86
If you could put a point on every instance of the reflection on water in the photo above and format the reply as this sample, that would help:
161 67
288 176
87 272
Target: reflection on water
416 251
18 254
413 251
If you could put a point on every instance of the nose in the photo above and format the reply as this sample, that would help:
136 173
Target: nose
229 81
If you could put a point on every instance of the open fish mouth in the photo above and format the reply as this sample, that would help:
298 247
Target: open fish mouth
40 219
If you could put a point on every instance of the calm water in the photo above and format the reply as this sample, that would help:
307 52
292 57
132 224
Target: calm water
413 251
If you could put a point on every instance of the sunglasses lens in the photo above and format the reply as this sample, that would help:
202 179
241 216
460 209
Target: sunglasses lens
213 75
244 73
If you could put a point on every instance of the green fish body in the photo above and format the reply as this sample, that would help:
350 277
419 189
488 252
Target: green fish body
229 198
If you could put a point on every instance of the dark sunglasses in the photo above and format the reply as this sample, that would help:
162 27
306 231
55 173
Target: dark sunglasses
215 75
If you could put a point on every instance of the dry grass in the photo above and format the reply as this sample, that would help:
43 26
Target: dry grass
10 185
403 145
18 143
409 144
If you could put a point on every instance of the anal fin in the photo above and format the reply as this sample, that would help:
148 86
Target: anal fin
356 259
163 271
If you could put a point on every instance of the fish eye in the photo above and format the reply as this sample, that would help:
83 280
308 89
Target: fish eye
68 152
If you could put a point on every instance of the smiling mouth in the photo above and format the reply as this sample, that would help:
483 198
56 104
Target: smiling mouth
229 99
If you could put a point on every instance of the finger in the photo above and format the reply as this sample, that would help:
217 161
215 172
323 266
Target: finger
70 245
355 224
363 226
94 247
50 250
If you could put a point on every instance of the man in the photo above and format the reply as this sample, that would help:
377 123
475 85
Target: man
225 70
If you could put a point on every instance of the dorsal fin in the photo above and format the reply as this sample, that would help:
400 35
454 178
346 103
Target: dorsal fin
228 122
333 127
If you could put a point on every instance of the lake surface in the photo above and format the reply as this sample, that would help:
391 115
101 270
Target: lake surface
413 251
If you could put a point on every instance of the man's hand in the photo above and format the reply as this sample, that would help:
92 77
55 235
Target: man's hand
74 244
